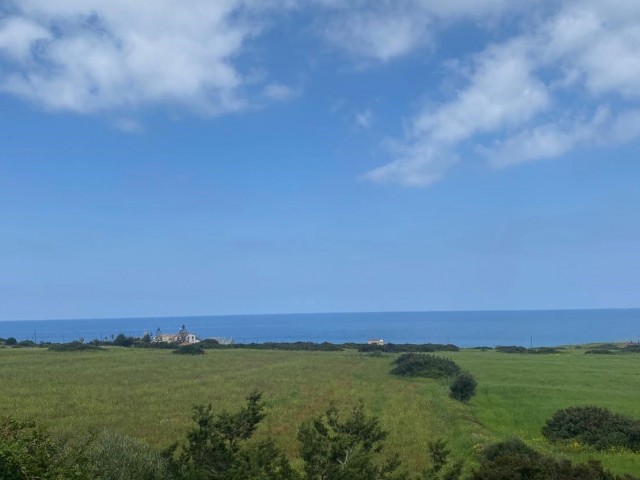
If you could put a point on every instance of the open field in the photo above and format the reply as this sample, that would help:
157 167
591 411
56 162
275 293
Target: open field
149 393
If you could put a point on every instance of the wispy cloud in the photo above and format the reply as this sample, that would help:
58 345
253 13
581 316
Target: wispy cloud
529 94
279 92
364 119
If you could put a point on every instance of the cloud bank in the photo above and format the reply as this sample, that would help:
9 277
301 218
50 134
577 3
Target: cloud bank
565 77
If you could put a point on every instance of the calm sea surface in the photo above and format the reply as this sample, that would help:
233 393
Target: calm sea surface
465 329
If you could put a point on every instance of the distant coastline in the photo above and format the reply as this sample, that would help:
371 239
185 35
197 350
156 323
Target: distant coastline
466 328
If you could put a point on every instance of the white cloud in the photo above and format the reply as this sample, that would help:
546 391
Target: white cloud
501 94
376 35
18 36
95 55
528 93
386 29
546 141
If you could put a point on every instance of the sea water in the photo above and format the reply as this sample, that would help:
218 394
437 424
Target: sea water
465 329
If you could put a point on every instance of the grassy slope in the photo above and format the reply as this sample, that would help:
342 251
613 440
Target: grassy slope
149 394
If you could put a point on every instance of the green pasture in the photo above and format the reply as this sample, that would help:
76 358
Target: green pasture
148 394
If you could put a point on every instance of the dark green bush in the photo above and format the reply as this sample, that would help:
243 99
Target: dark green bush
345 448
544 350
598 351
425 365
191 349
463 387
74 347
510 349
10 341
513 460
594 426
124 341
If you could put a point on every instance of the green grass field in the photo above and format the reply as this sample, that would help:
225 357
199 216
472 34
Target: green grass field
148 394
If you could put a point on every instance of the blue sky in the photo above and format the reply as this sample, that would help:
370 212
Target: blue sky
244 156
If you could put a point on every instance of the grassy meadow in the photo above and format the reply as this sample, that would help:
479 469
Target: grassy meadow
148 394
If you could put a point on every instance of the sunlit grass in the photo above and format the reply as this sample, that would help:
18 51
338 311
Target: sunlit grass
148 394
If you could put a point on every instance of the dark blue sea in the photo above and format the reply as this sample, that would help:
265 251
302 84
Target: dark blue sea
465 329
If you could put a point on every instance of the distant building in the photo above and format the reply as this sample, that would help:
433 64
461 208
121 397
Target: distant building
375 341
183 337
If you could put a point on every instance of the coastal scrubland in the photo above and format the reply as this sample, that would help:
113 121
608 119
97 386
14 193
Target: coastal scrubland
148 394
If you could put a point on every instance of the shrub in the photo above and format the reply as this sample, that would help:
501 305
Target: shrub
463 387
123 341
593 426
513 459
425 365
345 448
217 447
510 349
598 351
544 350
191 349
28 453
10 341
74 347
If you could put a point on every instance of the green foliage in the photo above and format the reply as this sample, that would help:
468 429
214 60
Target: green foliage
425 365
116 457
216 448
10 341
191 349
513 460
73 347
594 426
510 349
598 351
441 469
123 341
333 448
27 453
463 387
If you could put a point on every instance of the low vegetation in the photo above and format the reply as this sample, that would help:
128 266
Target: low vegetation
73 347
513 460
191 349
463 387
145 395
594 426
425 365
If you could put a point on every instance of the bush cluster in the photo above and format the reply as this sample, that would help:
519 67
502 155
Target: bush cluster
513 459
424 365
594 426
191 349
73 347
